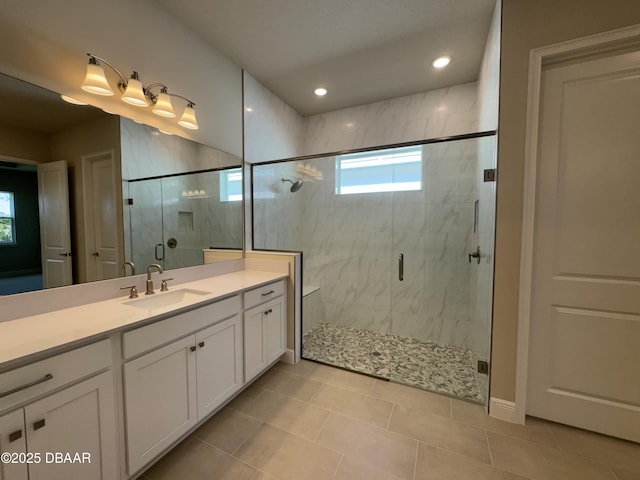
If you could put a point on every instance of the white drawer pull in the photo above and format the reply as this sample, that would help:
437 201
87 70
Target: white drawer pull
46 378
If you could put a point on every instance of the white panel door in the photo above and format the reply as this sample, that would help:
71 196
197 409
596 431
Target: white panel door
160 400
254 344
13 441
79 419
219 364
584 357
55 233
275 330
101 216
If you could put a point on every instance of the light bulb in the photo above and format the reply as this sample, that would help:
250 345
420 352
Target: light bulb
441 62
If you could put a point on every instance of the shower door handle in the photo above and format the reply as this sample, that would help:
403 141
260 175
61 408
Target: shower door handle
162 250
475 255
401 267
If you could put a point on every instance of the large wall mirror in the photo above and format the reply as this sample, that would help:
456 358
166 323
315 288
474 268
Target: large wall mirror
84 194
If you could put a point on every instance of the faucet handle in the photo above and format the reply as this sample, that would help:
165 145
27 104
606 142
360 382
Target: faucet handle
133 291
163 284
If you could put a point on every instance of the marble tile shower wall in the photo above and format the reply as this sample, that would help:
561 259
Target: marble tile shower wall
351 244
432 114
147 153
161 211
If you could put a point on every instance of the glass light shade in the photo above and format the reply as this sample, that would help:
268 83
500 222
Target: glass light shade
188 119
163 106
134 95
95 81
72 101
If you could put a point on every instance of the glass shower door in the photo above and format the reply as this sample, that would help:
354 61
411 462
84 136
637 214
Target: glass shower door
146 223
437 289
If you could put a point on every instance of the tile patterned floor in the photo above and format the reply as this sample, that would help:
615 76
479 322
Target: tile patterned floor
439 368
314 422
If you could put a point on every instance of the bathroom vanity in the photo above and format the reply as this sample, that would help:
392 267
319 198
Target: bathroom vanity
121 381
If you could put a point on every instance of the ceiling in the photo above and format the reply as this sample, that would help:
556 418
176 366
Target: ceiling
360 50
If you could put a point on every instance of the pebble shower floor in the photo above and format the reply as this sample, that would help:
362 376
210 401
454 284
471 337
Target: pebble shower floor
439 368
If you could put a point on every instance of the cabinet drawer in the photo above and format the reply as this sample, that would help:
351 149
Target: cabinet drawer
45 375
162 332
262 294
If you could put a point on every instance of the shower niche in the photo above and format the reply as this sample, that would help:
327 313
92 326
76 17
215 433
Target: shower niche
386 236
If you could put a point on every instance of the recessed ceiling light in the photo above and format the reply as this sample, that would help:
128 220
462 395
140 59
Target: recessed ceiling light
321 92
441 62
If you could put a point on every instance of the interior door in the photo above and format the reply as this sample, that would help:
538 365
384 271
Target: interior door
55 232
584 364
101 217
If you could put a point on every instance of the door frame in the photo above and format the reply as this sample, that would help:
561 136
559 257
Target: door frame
539 58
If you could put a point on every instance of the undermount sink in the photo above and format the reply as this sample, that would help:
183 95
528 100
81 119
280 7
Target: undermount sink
167 299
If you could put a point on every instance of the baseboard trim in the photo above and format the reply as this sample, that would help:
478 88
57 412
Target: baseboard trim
288 356
503 410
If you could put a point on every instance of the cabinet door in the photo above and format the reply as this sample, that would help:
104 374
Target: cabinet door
78 421
13 440
275 331
160 400
254 357
219 364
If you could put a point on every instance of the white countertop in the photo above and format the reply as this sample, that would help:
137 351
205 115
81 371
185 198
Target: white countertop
37 334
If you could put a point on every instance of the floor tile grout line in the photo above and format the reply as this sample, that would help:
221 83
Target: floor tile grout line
555 438
393 407
230 455
247 438
486 436
415 460
324 424
338 467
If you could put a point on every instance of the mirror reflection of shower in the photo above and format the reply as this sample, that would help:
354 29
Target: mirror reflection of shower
295 186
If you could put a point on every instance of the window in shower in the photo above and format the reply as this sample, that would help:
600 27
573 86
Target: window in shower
390 170
7 219
231 185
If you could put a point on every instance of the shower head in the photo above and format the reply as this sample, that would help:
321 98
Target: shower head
295 186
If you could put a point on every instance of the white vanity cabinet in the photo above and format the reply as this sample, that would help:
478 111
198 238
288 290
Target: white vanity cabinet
264 328
170 388
70 433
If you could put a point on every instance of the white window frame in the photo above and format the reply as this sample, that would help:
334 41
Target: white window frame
378 158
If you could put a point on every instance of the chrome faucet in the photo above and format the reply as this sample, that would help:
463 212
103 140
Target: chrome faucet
149 281
133 268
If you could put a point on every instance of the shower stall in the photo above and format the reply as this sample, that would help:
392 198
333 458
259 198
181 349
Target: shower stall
397 245
174 217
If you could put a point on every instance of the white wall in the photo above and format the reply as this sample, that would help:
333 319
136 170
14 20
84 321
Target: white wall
45 42
272 129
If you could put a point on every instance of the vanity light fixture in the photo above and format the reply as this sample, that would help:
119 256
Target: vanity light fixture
135 93
441 62
320 91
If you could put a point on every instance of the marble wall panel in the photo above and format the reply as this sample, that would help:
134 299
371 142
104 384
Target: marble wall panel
433 114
